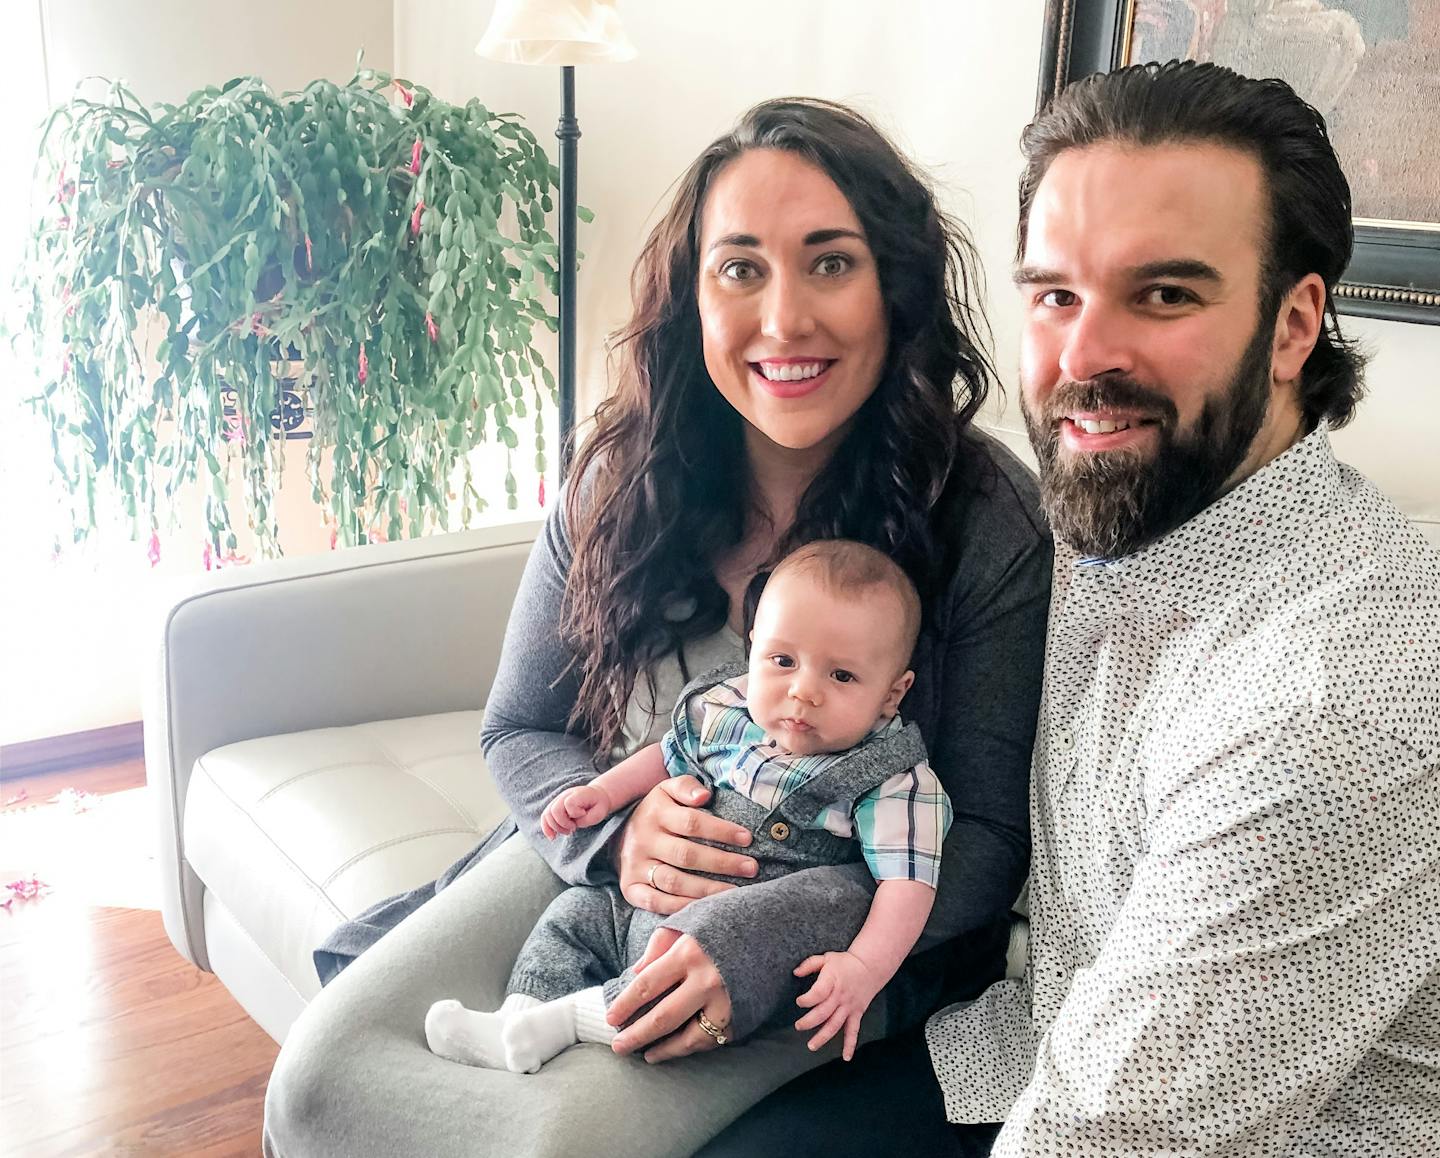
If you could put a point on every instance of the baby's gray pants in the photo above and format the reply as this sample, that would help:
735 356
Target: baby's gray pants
588 936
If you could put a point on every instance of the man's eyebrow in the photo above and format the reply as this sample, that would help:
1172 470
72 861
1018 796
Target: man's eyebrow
816 237
1036 275
1180 268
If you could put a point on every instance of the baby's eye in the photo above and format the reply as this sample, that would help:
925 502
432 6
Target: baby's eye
782 661
841 676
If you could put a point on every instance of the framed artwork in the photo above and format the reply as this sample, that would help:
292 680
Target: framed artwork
1371 67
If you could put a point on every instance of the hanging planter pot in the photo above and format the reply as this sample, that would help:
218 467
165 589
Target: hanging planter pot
364 262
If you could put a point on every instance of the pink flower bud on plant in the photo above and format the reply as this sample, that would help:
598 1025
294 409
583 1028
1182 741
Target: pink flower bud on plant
309 254
405 94
153 551
415 156
542 490
364 365
431 328
415 217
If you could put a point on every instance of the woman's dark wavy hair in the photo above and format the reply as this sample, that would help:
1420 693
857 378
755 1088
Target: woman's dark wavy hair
1309 230
661 485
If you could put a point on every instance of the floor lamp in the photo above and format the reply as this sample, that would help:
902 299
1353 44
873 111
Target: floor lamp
560 33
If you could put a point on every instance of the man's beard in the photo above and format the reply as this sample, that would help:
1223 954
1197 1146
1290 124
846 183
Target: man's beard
1109 504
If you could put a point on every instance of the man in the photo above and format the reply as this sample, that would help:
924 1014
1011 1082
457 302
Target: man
1235 891
1235 802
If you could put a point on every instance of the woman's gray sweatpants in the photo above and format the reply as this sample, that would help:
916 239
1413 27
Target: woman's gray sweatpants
355 1078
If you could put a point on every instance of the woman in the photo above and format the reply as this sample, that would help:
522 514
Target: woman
802 363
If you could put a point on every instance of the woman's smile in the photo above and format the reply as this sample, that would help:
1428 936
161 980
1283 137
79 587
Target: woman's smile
791 377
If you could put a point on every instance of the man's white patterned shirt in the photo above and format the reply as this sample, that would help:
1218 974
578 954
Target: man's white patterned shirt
1235 800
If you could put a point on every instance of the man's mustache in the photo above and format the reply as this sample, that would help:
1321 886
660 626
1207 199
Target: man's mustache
1109 392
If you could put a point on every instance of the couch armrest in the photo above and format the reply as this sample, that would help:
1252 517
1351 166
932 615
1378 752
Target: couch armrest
375 633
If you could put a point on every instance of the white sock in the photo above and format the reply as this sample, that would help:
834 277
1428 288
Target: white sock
590 1023
470 1036
533 1036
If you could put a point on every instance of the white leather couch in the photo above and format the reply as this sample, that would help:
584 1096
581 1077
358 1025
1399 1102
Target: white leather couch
311 735
311 739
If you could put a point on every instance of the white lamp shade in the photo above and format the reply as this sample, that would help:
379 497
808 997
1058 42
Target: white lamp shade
555 32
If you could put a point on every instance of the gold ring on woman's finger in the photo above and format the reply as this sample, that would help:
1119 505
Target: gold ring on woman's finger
650 876
715 1031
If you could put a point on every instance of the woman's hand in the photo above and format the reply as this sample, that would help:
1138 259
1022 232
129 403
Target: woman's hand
678 972
661 836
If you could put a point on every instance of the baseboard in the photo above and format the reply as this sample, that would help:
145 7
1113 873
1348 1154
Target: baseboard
55 753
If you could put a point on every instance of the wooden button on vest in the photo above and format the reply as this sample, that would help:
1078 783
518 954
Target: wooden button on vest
779 830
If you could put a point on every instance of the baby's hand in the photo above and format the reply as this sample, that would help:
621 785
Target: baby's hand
574 808
840 996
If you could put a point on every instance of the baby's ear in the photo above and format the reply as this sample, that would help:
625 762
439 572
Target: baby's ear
897 692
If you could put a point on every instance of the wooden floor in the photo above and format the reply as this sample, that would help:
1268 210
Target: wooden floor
111 1042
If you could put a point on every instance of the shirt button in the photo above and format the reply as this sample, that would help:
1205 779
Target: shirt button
1065 740
779 830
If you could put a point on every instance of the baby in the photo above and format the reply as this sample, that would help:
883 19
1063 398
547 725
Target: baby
806 750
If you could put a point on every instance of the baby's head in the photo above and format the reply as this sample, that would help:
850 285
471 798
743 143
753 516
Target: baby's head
830 647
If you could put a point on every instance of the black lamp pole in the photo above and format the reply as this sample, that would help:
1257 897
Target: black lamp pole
568 131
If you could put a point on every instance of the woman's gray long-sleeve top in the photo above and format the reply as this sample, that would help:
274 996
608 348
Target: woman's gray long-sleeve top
975 697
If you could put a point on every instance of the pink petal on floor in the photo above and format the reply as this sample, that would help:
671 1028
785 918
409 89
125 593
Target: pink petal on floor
26 890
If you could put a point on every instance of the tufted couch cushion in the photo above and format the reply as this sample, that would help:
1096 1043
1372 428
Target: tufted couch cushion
295 833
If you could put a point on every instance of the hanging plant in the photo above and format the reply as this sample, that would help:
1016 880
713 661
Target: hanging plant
204 276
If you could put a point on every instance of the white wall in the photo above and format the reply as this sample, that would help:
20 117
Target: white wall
168 48
1395 438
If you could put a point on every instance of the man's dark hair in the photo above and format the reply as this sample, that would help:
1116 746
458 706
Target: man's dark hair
1309 230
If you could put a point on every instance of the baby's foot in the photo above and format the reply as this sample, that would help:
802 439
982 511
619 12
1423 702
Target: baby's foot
533 1036
465 1035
